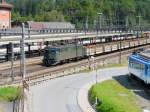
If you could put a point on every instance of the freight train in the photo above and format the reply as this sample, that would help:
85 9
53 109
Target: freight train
62 53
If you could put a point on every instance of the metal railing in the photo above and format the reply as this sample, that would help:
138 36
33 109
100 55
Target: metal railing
106 29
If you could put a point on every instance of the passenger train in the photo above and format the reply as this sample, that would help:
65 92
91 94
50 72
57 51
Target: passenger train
139 65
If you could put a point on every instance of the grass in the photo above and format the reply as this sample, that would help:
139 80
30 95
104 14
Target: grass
113 97
87 70
114 65
9 94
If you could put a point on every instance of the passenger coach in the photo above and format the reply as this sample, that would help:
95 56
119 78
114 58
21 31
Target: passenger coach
139 65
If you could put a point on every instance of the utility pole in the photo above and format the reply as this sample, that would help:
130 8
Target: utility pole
139 26
139 20
12 61
23 69
118 13
100 20
120 51
29 31
127 21
76 45
86 23
22 46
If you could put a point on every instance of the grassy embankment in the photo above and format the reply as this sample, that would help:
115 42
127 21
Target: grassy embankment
124 64
8 94
113 97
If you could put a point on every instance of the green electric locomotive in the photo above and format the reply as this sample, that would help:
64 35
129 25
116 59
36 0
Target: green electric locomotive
57 54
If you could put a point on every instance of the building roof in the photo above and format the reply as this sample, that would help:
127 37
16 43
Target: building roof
50 25
5 5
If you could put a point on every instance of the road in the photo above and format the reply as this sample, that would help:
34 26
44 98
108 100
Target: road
60 95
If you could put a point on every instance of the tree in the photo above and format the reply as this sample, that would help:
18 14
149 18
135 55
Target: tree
53 15
80 12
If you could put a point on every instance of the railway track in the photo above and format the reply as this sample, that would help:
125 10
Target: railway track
29 61
40 73
67 69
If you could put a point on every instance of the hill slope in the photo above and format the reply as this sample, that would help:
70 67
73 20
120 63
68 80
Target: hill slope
81 11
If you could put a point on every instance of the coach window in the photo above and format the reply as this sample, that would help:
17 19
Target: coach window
136 65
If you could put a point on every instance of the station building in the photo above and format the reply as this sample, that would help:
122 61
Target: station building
5 15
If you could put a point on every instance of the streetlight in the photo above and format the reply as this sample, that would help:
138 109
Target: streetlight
95 68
